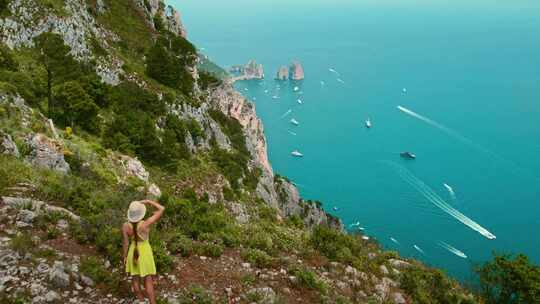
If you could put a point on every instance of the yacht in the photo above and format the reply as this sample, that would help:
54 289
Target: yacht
296 153
294 122
407 155
368 123
275 97
296 89
404 90
300 101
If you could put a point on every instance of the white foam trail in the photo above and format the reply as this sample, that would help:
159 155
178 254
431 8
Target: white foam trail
450 190
289 111
333 71
394 240
419 249
355 224
429 194
291 132
452 249
448 131
341 80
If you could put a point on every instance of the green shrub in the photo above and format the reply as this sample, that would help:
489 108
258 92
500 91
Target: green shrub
196 295
334 244
22 243
258 258
308 279
92 267
180 244
510 279
7 60
209 249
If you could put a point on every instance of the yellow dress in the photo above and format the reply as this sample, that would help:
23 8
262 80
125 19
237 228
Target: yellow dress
145 264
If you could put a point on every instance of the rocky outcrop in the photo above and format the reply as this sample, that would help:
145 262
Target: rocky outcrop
36 207
252 70
46 153
7 145
311 212
283 73
297 71
169 15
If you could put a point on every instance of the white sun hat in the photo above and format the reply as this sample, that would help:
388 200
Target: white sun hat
136 211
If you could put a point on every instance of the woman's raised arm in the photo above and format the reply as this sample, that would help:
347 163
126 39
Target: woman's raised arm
157 214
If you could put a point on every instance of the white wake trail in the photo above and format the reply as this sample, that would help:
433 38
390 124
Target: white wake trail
286 113
452 249
419 249
428 193
394 240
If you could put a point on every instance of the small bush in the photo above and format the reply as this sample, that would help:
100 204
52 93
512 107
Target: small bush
258 258
209 249
308 279
93 267
22 243
180 244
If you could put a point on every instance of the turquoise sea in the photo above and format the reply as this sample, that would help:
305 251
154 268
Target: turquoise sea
471 68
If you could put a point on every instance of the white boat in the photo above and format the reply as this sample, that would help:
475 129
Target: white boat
404 90
300 101
294 122
275 97
296 89
368 123
265 91
365 238
296 153
335 208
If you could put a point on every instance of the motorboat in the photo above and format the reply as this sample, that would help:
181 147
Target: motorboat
296 153
294 122
407 155
368 123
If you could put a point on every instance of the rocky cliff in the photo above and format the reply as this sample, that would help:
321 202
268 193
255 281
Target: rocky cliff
297 71
283 73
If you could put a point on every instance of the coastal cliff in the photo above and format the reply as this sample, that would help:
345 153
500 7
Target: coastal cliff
94 114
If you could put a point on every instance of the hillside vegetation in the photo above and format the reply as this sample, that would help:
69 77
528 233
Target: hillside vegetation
103 102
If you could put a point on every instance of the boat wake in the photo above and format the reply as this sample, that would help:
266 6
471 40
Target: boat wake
450 191
341 80
419 249
286 113
394 240
452 249
434 198
292 133
515 168
333 71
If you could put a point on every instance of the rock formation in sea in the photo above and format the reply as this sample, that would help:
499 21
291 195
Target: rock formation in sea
297 71
283 73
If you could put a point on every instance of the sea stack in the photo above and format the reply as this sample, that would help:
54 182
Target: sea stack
253 70
297 71
283 73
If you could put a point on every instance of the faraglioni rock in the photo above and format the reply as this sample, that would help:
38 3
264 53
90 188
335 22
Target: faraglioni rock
297 71
254 70
283 73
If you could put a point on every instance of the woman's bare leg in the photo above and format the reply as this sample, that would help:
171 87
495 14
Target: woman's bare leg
149 288
136 284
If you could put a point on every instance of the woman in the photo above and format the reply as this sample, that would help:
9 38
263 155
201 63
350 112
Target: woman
138 256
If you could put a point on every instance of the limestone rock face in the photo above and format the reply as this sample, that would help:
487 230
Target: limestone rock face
46 153
297 71
58 276
254 70
7 145
134 167
283 73
77 27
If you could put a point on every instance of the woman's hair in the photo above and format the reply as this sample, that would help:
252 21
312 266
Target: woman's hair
136 249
